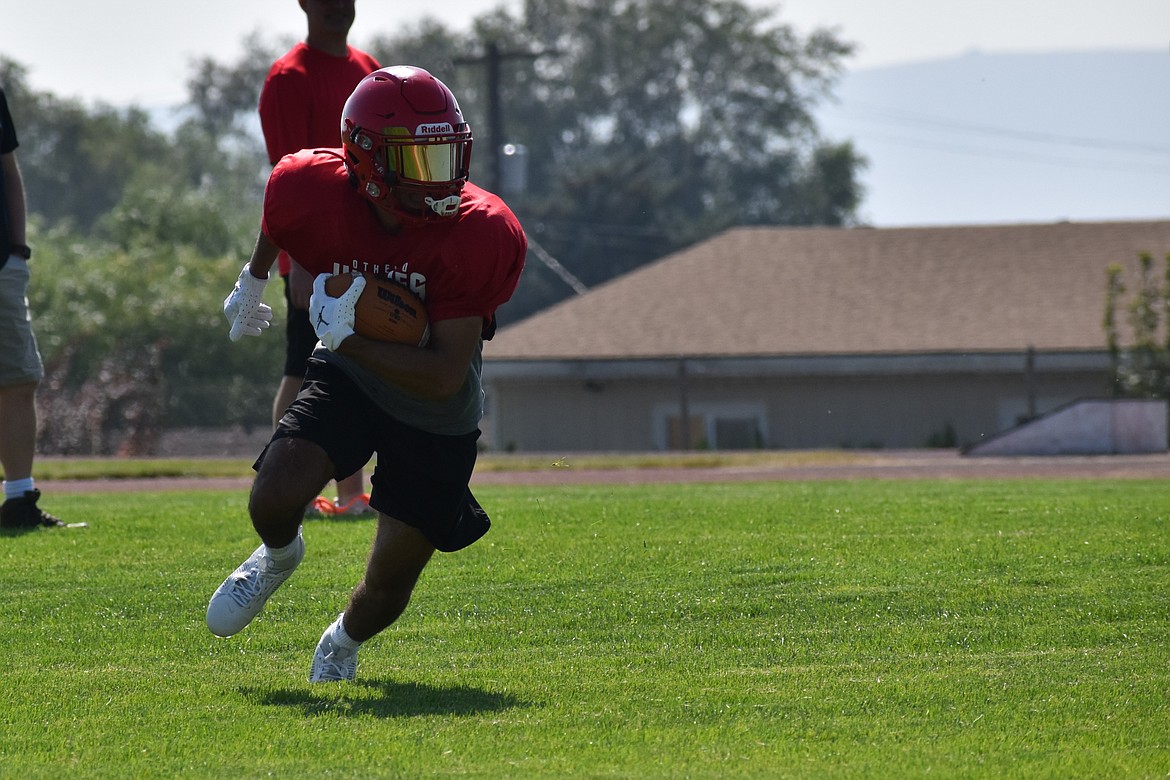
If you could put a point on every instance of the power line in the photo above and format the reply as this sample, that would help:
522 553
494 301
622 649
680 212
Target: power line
1068 162
914 118
551 262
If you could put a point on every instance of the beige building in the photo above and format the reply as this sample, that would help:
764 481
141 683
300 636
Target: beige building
819 338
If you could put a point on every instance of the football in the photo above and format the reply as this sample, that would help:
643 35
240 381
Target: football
385 311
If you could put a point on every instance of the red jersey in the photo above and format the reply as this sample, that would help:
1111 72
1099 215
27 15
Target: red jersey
302 99
461 266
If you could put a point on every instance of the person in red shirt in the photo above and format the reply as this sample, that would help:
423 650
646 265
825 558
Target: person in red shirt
393 202
301 100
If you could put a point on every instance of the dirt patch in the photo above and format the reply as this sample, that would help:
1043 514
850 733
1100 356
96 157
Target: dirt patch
914 464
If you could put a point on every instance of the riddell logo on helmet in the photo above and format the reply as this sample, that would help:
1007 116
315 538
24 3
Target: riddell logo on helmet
442 128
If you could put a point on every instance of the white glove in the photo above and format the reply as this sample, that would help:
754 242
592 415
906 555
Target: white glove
332 318
244 307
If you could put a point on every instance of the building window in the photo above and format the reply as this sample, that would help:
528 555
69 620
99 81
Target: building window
713 427
737 433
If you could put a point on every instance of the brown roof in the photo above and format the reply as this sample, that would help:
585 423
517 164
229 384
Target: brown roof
802 291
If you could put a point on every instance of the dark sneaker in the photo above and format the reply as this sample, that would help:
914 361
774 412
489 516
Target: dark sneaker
23 512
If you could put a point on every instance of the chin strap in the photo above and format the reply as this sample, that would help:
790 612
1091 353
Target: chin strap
447 207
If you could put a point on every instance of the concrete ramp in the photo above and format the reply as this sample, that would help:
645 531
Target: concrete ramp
1107 426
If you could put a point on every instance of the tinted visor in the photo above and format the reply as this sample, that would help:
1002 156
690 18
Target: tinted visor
439 162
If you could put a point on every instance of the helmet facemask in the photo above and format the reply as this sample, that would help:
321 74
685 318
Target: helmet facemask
433 167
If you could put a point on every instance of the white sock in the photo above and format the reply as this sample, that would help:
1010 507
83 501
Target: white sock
340 638
287 554
18 487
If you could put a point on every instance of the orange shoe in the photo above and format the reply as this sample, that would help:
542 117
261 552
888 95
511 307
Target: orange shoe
358 507
320 507
323 507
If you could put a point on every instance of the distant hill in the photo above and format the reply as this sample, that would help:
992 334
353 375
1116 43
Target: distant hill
991 138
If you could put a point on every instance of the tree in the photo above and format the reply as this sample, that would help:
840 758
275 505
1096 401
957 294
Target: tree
222 98
690 116
76 162
138 237
99 170
1143 370
134 339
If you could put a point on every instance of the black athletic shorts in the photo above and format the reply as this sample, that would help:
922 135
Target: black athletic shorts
420 478
300 339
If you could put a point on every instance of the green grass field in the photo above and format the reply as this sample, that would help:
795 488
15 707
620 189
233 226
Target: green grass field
1014 629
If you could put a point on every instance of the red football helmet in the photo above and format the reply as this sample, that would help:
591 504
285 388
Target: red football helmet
407 146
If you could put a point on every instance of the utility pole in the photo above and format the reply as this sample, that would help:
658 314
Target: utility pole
493 58
495 112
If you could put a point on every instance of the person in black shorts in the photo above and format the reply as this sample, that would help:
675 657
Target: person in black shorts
303 94
393 202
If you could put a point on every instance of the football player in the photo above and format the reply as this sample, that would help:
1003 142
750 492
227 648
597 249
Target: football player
394 201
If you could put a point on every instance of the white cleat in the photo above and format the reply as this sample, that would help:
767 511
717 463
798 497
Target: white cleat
246 590
332 663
